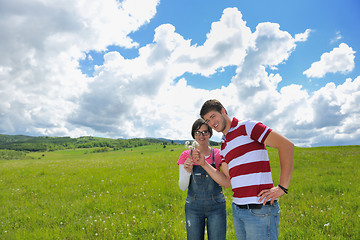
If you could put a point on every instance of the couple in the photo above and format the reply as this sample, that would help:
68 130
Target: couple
242 163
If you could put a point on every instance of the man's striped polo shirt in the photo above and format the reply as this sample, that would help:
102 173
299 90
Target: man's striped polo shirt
244 151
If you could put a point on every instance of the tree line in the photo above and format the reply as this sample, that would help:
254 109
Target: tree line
42 144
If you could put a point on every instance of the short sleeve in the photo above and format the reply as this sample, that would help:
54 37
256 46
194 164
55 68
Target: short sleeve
257 131
217 158
184 155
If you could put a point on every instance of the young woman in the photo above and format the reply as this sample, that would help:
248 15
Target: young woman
205 202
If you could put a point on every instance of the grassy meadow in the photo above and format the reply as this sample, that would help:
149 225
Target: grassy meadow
134 194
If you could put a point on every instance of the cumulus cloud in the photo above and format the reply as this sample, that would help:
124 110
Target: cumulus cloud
302 37
225 45
335 111
340 59
269 47
41 47
145 80
44 92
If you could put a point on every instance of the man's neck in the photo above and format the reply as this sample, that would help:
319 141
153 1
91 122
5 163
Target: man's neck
228 125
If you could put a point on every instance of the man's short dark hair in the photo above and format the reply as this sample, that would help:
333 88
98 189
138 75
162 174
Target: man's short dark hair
211 105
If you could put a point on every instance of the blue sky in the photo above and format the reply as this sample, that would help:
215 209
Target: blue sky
114 69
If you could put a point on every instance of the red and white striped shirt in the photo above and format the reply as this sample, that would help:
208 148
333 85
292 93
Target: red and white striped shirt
244 151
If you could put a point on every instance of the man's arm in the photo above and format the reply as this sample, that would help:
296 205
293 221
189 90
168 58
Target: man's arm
286 156
222 177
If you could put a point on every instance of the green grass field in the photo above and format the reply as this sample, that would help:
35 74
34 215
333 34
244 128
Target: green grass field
134 194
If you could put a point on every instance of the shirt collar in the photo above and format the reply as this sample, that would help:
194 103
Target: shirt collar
234 123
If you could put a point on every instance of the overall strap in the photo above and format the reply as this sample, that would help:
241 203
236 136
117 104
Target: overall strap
213 156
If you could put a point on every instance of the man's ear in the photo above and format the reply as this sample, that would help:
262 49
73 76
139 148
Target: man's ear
223 111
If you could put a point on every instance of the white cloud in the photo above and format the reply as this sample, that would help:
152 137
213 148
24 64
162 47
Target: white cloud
337 37
133 90
336 112
269 47
41 45
226 44
340 59
302 37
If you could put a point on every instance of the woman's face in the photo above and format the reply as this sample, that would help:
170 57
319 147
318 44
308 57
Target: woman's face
202 135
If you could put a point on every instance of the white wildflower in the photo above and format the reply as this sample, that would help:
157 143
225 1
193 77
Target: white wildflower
326 224
193 145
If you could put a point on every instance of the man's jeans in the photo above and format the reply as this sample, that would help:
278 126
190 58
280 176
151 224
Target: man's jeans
257 223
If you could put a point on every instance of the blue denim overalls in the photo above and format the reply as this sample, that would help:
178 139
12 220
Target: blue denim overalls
205 204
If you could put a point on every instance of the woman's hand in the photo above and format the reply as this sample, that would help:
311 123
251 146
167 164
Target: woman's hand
188 165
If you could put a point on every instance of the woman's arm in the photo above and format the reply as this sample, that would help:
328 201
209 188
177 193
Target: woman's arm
184 177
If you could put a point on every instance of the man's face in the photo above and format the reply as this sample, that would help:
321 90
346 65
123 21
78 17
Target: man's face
215 120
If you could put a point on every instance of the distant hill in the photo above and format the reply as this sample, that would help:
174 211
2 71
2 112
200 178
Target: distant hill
43 143
34 144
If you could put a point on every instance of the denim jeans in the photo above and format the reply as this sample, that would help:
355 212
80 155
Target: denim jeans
254 224
209 212
205 205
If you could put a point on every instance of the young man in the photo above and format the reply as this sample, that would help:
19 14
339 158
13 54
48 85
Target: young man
245 166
